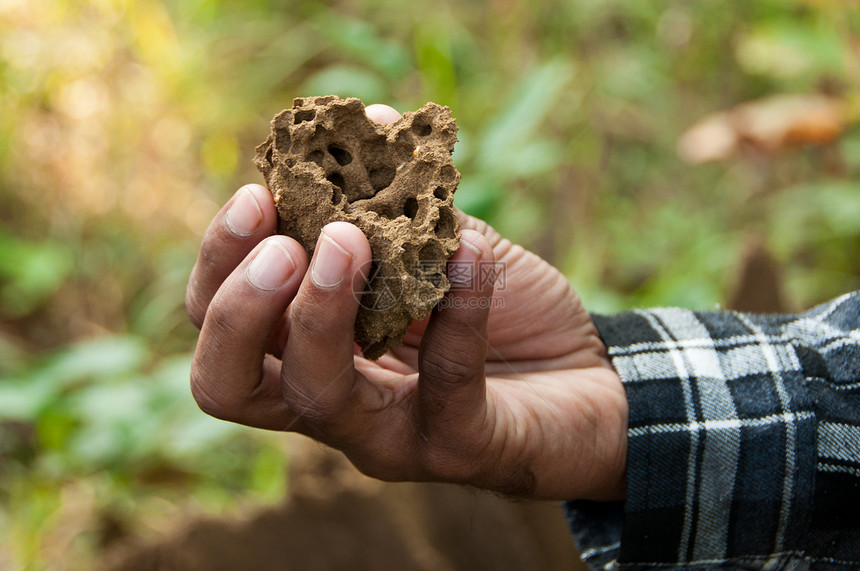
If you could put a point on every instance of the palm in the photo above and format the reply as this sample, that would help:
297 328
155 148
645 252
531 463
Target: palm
544 434
536 322
547 375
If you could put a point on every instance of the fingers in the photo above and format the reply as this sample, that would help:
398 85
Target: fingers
381 113
231 377
318 374
247 218
451 389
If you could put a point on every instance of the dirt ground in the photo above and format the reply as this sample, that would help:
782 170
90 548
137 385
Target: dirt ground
335 518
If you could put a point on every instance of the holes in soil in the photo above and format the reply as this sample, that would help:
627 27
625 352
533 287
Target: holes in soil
303 116
421 127
386 211
431 252
336 195
269 153
282 140
337 179
440 193
448 173
317 156
381 177
410 207
342 156
445 225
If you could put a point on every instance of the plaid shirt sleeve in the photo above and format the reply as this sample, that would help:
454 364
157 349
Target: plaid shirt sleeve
744 442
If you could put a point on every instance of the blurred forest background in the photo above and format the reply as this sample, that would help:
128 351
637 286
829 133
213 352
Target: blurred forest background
648 149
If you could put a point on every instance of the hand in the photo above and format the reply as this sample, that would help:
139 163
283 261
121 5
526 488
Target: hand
512 393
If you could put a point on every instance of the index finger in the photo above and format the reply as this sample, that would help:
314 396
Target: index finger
247 218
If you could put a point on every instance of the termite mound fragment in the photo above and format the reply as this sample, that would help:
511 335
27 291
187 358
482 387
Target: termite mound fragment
325 161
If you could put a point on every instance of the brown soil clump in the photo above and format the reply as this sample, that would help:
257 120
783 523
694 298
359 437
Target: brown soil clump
325 161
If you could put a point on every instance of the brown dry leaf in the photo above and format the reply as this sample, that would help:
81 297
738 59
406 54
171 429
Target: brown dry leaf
712 139
770 125
784 121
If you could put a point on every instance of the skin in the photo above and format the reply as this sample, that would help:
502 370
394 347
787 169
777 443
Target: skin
516 396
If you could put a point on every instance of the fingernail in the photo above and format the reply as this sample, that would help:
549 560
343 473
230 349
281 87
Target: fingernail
272 267
245 215
461 266
475 250
330 263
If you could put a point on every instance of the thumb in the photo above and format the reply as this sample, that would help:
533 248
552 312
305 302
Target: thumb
451 385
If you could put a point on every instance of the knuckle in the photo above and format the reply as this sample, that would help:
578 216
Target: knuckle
452 453
309 323
231 407
444 363
448 463
210 252
315 409
204 399
473 463
195 309
220 320
320 407
311 410
215 255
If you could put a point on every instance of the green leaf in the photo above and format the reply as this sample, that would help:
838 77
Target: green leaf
529 107
100 359
478 195
791 49
850 145
361 41
813 213
30 273
269 475
195 432
21 400
435 62
534 158
33 391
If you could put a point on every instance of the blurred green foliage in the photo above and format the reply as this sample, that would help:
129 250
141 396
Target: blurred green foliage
126 124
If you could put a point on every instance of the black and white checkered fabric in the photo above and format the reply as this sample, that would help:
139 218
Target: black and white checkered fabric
744 442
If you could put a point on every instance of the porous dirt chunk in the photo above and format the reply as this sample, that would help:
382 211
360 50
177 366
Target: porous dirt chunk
325 161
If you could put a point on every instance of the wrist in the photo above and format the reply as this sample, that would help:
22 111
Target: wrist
610 481
582 451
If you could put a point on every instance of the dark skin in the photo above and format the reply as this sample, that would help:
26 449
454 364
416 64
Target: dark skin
516 396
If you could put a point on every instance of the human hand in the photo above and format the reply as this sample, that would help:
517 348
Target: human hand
513 394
